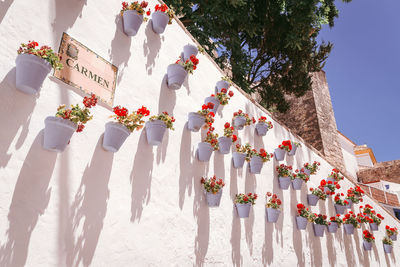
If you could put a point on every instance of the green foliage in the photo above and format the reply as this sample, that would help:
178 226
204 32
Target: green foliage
269 46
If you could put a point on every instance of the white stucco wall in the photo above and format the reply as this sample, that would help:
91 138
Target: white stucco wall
349 158
364 160
142 206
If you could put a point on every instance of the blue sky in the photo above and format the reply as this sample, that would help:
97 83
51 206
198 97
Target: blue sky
363 73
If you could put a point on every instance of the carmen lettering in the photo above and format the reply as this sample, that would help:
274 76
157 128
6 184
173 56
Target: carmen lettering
88 73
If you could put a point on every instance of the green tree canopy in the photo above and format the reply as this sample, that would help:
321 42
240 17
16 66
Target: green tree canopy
268 46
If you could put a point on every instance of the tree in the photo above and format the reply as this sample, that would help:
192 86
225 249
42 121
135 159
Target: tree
268 46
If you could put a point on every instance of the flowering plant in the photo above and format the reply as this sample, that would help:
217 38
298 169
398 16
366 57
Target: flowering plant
373 217
286 145
264 120
335 175
387 241
296 144
302 211
284 170
207 114
318 192
273 201
139 8
224 96
212 185
351 218
246 116
44 52
301 175
313 168
164 8
243 149
190 64
339 201
364 219
212 139
244 199
319 219
391 230
226 78
131 121
355 195
336 219
76 114
164 116
228 132
262 154
368 236
331 186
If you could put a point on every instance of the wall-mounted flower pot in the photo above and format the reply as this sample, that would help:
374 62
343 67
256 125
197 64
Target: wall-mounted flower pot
374 226
333 227
221 84
114 136
239 122
312 199
57 133
204 151
293 151
327 190
307 171
284 182
262 128
331 179
319 229
155 132
132 22
31 71
195 121
340 209
256 164
393 237
189 50
367 245
297 183
387 248
272 214
238 159
350 205
279 154
301 222
225 144
213 200
176 76
348 228
243 210
159 21
213 100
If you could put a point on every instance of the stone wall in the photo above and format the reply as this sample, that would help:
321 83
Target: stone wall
387 171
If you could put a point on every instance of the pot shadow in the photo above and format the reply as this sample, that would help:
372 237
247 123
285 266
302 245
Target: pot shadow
151 47
4 6
366 261
392 256
296 235
267 251
250 187
277 190
185 166
120 48
233 188
315 247
66 13
141 176
19 107
219 165
237 259
348 248
30 199
89 207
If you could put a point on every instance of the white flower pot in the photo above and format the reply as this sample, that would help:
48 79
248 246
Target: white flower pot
284 182
279 154
155 131
374 226
204 151
239 122
387 248
256 164
350 203
221 84
243 210
312 199
238 159
367 245
213 200
213 100
348 228
272 214
57 133
301 222
393 237
176 75
225 144
31 71
114 136
307 171
293 151
318 229
262 128
132 22
340 209
333 227
195 121
159 21
189 50
297 183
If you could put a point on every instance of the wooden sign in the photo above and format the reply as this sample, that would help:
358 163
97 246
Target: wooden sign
85 70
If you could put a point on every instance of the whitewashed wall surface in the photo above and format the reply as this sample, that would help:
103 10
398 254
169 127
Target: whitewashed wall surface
144 205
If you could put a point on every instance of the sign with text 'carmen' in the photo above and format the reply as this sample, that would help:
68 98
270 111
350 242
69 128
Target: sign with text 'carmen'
85 70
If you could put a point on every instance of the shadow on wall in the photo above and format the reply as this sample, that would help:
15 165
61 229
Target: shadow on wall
30 200
151 47
15 113
89 208
237 259
120 48
185 166
4 6
66 13
141 176
250 187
